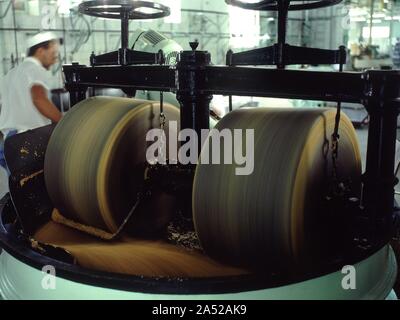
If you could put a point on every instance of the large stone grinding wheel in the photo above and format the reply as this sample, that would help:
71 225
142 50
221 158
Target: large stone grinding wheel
94 164
274 217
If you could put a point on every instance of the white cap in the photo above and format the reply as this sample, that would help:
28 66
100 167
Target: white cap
41 38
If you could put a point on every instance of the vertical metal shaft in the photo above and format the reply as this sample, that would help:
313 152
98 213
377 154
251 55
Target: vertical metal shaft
379 178
378 194
195 112
283 7
194 102
125 30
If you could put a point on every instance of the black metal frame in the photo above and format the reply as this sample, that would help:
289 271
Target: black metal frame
195 81
282 54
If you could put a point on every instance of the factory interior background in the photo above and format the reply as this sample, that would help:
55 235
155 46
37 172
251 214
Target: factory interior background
370 39
369 29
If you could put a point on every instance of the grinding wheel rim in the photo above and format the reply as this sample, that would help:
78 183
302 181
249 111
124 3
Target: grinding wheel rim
85 144
104 168
297 218
216 239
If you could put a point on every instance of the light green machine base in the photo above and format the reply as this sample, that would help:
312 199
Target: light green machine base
375 278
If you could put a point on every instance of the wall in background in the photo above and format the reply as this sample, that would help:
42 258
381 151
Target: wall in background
205 20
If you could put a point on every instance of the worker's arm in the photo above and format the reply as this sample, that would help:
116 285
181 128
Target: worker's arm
44 105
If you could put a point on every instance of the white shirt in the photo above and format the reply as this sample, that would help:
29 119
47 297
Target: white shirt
18 111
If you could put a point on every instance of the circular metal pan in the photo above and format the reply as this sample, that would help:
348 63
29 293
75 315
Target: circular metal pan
94 164
274 217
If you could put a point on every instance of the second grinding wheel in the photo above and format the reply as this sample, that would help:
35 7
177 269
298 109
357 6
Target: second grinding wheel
94 165
274 217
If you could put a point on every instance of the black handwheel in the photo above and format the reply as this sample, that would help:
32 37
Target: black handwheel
124 9
272 5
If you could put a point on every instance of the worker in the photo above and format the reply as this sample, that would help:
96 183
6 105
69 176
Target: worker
25 90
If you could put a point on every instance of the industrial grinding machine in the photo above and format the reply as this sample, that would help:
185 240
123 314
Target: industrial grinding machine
85 200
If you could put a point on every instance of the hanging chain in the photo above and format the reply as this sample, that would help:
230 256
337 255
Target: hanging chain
142 195
162 115
162 127
337 187
335 147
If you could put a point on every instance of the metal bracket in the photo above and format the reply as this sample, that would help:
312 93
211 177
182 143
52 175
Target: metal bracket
282 54
126 57
288 55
